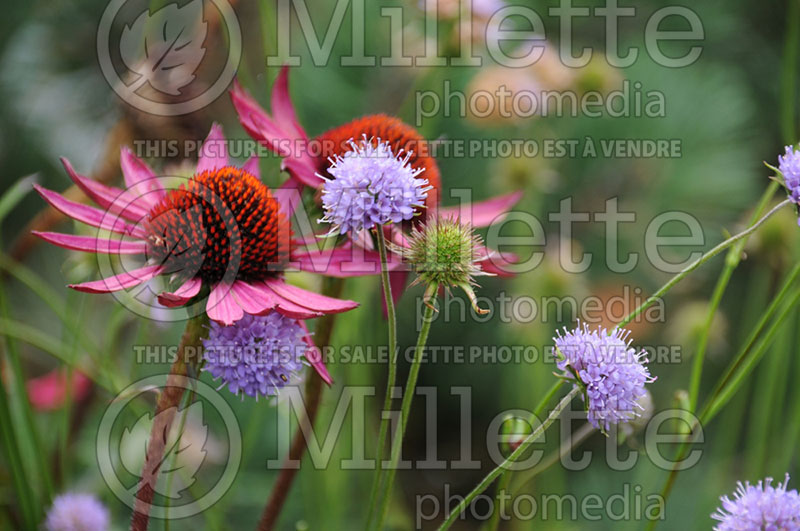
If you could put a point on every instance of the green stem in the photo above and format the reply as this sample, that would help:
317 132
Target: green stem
505 477
789 73
408 396
732 260
574 441
392 377
511 459
744 363
700 261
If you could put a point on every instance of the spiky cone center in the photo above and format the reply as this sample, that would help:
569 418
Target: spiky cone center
222 224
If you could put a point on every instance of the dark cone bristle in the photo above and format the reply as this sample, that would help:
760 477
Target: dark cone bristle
222 224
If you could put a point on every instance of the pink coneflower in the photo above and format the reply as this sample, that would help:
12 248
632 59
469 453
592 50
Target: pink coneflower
309 163
222 231
49 391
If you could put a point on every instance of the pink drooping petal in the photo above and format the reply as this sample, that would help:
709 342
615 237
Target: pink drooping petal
221 305
255 300
281 134
281 304
282 108
113 199
247 107
91 244
308 299
344 262
495 262
139 178
49 391
314 356
288 198
89 215
252 167
182 295
119 282
304 170
483 213
214 153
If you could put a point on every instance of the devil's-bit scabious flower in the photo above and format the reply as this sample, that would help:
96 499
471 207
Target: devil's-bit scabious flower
370 186
611 374
223 230
789 165
760 506
258 355
444 252
77 512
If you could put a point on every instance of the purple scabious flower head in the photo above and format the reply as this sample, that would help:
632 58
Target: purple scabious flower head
789 165
77 512
759 507
611 374
258 355
370 186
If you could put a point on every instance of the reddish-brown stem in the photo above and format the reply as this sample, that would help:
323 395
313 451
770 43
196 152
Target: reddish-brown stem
168 402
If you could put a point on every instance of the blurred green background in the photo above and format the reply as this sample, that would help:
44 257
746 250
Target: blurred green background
731 110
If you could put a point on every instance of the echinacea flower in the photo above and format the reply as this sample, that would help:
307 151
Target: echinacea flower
49 391
759 506
308 163
611 374
789 165
370 186
77 512
222 231
259 354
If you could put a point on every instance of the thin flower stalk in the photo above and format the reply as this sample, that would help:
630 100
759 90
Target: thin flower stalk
700 261
408 396
511 459
391 378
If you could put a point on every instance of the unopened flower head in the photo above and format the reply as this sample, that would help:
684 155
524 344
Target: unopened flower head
258 355
761 506
369 186
445 252
610 372
789 165
77 512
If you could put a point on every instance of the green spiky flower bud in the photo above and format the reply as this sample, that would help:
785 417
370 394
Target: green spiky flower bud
445 252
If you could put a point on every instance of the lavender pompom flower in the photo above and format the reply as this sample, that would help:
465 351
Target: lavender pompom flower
611 374
789 166
258 355
759 507
77 512
371 186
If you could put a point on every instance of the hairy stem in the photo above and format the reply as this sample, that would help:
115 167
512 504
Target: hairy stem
168 402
